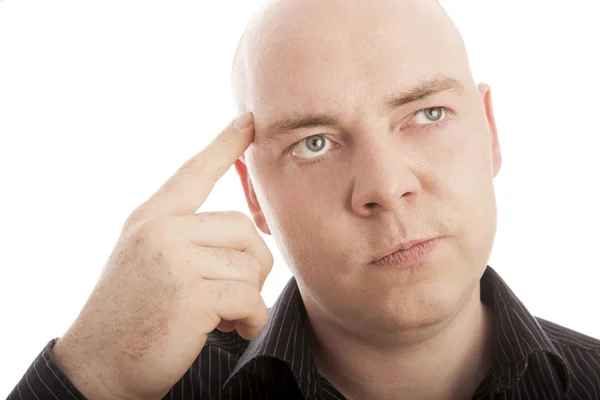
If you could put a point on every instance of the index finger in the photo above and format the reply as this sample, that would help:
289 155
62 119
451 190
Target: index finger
187 189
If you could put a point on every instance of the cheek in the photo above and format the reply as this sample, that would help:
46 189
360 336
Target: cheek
471 171
465 156
302 212
281 198
300 192
302 205
297 230
459 177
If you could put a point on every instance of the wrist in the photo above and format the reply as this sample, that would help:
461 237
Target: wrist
92 380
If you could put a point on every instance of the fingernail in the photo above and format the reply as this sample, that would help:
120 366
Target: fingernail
243 121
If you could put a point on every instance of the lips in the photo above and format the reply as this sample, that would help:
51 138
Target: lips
408 254
403 246
416 254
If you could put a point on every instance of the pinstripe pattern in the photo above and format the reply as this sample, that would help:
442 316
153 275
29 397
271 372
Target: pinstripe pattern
534 359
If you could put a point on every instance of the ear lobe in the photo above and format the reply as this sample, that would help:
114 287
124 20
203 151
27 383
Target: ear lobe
253 205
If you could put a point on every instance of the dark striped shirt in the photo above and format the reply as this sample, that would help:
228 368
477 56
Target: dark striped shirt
533 359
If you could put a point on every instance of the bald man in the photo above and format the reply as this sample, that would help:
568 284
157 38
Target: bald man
367 151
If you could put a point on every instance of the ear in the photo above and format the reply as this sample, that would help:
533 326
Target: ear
253 205
486 95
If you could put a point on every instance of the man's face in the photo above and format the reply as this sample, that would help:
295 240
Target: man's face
340 192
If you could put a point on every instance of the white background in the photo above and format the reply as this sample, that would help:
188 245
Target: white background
101 101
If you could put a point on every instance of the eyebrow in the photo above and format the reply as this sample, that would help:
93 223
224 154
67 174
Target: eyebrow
418 92
424 90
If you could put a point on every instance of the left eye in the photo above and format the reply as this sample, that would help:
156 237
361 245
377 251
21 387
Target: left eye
430 115
311 147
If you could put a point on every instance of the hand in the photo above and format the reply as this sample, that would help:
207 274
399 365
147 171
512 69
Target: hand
172 278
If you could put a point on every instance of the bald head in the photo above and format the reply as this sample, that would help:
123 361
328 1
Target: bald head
286 29
369 130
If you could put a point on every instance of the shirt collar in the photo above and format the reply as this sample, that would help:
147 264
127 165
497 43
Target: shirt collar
518 335
517 332
284 338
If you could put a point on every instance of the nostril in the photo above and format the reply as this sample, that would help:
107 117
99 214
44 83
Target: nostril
370 205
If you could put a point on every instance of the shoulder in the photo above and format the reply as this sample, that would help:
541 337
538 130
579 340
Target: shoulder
581 353
566 338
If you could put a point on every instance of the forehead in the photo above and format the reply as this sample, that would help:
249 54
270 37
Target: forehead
343 66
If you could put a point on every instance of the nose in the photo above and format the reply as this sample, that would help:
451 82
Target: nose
383 179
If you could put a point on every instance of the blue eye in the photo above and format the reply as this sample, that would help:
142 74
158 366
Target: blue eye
311 147
430 115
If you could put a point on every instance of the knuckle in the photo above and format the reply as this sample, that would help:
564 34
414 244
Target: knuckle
234 214
254 267
133 219
246 294
240 218
226 259
203 217
225 293
151 231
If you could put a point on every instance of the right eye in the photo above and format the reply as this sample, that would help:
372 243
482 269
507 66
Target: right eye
311 147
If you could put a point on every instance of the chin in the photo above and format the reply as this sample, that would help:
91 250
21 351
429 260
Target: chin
413 307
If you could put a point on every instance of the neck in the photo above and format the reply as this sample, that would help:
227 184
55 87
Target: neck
448 364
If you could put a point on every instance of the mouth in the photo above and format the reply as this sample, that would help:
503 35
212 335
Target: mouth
408 253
